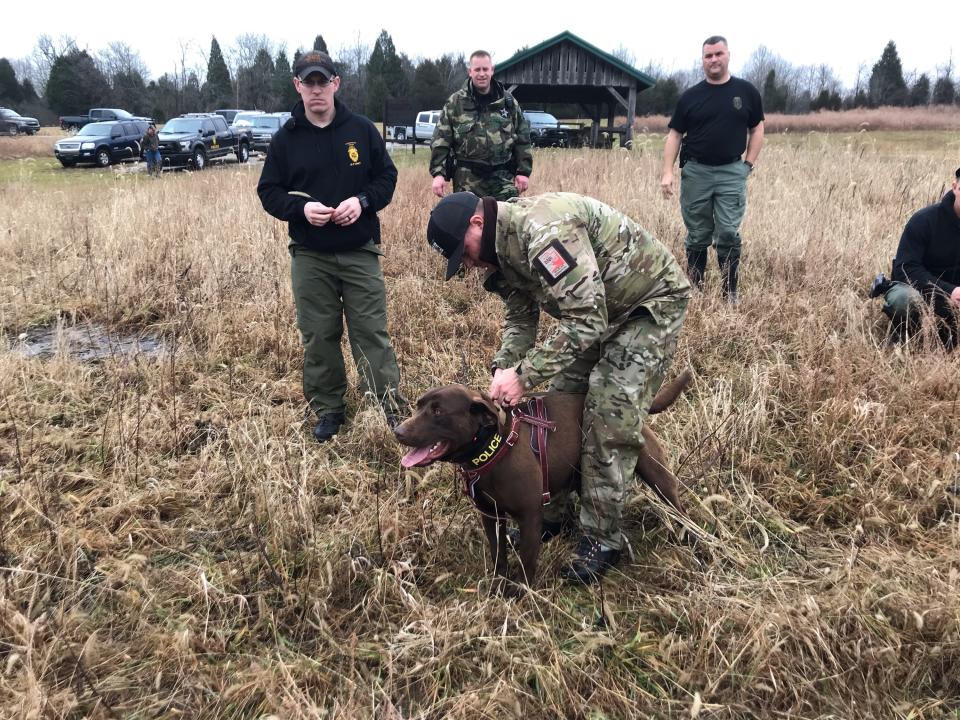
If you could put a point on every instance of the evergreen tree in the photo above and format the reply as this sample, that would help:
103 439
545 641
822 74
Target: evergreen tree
257 82
29 92
10 90
129 91
283 89
76 84
920 92
943 91
385 78
217 90
319 44
774 96
887 86
428 91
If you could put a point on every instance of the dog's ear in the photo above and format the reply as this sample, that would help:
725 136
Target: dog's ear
489 411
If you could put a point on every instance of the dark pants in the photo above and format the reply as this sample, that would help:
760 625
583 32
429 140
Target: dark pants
328 287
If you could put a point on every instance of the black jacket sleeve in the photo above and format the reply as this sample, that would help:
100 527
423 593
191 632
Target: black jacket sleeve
917 236
383 178
274 184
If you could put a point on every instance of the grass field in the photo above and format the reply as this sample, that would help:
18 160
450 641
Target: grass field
173 543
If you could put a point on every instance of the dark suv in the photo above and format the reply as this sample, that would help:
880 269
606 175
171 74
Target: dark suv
102 143
546 130
12 123
263 126
196 138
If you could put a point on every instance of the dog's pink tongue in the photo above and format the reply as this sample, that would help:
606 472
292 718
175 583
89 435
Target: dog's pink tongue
415 457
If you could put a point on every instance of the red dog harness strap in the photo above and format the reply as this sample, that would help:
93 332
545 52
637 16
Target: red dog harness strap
539 424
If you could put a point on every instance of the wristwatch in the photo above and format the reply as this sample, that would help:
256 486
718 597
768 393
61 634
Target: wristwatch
364 201
748 164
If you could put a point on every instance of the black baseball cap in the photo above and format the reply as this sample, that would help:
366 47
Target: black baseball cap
315 61
448 224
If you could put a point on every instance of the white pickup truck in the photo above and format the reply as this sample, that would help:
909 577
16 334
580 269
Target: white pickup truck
425 123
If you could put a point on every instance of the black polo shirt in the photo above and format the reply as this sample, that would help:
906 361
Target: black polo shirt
714 120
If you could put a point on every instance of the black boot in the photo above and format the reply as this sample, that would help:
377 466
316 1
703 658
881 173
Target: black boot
729 274
590 561
328 425
696 267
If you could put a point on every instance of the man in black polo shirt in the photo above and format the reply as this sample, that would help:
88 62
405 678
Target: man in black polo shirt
710 128
927 269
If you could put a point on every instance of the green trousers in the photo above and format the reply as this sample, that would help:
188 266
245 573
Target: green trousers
713 200
620 376
328 287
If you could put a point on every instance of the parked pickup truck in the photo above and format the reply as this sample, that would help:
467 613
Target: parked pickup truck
102 143
196 138
75 122
426 121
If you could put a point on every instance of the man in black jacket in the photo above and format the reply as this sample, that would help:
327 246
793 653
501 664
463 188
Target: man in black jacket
927 268
327 174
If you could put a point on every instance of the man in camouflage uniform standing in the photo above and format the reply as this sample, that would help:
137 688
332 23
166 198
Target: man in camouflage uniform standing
620 299
482 140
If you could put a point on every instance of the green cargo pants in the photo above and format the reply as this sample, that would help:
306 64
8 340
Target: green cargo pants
326 288
713 200
620 376
497 185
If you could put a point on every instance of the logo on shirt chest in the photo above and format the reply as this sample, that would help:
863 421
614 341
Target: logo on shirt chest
737 102
353 154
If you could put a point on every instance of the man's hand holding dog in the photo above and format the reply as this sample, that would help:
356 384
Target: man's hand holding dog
506 388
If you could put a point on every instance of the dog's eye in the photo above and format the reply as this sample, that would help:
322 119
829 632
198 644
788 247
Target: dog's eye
436 410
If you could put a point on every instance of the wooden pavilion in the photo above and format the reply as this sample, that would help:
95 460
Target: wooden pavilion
567 69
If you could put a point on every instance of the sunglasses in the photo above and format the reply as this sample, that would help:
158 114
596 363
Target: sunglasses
315 83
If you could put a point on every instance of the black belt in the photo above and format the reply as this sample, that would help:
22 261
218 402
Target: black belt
481 168
712 162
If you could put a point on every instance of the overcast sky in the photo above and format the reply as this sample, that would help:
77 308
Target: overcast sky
842 35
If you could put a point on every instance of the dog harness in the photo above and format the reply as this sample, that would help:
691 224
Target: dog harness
496 449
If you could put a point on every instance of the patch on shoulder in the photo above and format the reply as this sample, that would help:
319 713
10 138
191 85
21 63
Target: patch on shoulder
554 262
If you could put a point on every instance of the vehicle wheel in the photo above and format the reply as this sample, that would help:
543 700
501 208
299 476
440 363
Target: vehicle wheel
243 153
400 136
12 130
199 159
67 163
103 157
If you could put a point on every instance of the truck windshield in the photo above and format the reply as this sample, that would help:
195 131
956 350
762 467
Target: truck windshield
265 122
99 129
183 125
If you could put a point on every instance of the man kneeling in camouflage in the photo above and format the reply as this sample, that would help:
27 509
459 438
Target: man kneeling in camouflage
620 299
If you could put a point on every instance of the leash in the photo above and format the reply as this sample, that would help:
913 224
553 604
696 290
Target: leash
497 448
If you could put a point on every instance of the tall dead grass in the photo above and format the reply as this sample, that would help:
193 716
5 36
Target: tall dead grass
174 544
934 117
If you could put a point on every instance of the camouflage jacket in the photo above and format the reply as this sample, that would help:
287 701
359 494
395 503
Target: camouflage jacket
584 263
497 134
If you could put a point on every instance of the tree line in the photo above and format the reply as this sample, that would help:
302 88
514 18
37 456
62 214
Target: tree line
60 78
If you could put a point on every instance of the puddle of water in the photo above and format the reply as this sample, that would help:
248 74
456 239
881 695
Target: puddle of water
87 342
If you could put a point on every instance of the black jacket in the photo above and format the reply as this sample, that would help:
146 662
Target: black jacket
331 164
928 256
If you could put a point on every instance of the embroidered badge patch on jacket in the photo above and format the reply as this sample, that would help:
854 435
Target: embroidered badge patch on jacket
353 153
554 262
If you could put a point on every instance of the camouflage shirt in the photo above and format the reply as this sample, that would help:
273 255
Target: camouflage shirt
491 134
584 263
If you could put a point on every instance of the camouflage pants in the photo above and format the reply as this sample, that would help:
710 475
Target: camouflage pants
498 185
620 376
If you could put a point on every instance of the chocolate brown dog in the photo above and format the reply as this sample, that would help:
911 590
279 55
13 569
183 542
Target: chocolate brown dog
456 424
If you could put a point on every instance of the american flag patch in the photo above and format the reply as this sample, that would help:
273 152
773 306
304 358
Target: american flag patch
555 262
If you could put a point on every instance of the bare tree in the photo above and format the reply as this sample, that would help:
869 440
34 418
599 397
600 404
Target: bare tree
625 55
120 59
44 54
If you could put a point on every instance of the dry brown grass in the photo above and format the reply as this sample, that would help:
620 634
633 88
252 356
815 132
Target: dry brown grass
888 118
30 146
174 544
